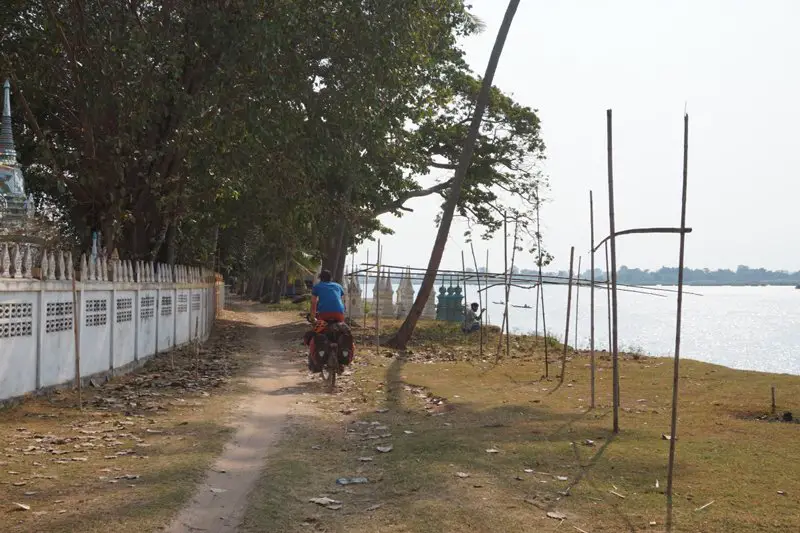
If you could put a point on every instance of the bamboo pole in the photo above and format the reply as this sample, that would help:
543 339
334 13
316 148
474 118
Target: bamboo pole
76 318
507 275
608 299
566 327
486 284
635 231
577 300
613 243
366 301
539 262
508 287
539 286
378 302
464 274
536 311
505 283
679 313
480 294
591 305
350 307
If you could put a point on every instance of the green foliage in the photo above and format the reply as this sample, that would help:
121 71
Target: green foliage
232 133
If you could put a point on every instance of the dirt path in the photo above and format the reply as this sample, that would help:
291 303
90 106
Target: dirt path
220 501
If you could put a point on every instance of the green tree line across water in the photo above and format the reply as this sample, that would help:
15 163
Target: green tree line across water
743 275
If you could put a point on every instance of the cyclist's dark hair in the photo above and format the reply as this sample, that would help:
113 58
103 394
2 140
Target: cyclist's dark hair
325 275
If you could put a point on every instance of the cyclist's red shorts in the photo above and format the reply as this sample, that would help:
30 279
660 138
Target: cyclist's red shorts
331 317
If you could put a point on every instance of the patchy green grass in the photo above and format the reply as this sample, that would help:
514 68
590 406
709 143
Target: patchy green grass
554 454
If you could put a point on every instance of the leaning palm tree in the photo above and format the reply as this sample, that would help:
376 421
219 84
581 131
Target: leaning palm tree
403 335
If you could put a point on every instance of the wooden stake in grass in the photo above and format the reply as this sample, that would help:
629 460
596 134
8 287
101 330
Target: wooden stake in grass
773 399
507 280
540 287
577 300
679 313
508 286
350 307
77 335
608 296
464 277
591 305
378 302
566 327
366 299
486 284
613 242
544 336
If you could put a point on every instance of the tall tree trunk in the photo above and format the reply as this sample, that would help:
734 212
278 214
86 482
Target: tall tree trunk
168 251
338 274
403 335
285 283
275 297
215 250
334 253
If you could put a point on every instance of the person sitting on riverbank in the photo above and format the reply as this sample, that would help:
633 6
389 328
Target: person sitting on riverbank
472 319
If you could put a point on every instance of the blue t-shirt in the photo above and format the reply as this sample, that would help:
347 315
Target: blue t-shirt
330 296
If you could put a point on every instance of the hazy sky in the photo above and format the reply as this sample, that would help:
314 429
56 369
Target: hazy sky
732 63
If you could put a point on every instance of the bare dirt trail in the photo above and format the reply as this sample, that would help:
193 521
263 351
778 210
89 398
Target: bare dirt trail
220 501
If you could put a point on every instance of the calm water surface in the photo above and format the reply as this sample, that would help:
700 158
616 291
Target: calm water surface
751 328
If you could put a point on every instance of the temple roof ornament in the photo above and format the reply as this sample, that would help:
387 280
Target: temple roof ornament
12 183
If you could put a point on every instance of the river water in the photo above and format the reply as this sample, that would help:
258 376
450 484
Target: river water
751 328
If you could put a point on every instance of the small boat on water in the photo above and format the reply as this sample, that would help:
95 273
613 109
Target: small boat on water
526 306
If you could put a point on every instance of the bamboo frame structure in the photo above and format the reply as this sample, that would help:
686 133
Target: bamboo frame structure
678 320
643 230
530 280
611 240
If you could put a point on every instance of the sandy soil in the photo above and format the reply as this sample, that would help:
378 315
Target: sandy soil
220 501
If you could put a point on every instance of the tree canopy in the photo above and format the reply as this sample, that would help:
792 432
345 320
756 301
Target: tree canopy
240 133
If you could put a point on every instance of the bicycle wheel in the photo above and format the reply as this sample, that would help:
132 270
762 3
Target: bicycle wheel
331 367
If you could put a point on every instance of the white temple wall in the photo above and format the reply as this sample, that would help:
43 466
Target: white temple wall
120 324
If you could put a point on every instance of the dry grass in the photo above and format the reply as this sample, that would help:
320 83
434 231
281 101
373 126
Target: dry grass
132 456
725 455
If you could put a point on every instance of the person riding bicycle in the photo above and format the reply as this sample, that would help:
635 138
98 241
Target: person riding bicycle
327 314
327 299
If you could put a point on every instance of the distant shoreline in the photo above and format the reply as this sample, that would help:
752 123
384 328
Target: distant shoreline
585 283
